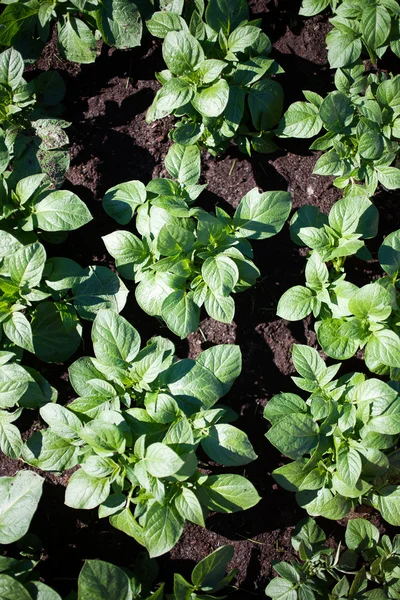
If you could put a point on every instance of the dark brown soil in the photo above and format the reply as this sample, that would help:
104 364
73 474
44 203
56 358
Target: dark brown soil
106 103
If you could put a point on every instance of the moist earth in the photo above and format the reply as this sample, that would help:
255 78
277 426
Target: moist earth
111 142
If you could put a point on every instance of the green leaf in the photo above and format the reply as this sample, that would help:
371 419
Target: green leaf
98 288
262 215
361 535
183 163
243 37
335 343
294 435
228 445
375 25
220 274
180 313
336 112
181 52
212 101
344 48
210 69
296 303
301 120
227 493
19 498
226 15
10 439
11 67
18 330
387 502
115 341
162 461
309 8
384 347
121 201
220 308
40 591
49 452
174 94
98 578
165 21
209 572
11 589
389 177
85 491
189 507
191 380
281 589
61 211
349 465
389 253
15 18
163 528
56 332
224 361
62 421
120 23
308 362
284 404
76 41
27 264
265 104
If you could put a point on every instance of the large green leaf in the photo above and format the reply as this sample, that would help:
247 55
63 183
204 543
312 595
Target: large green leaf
99 580
19 498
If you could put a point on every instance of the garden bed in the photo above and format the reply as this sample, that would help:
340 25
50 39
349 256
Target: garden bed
111 142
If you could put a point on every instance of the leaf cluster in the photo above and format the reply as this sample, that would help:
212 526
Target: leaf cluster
31 134
369 26
26 25
218 77
349 318
369 569
19 499
42 299
134 431
342 439
187 257
361 123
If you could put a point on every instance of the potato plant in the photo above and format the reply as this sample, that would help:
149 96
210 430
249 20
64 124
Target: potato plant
20 387
361 129
349 318
20 578
369 568
218 80
187 257
342 439
369 26
32 136
134 431
26 26
42 299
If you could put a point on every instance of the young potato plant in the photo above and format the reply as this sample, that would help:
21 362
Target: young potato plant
27 25
134 430
20 580
20 387
361 130
342 440
187 257
369 568
31 135
218 77
348 318
369 26
42 299
29 209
